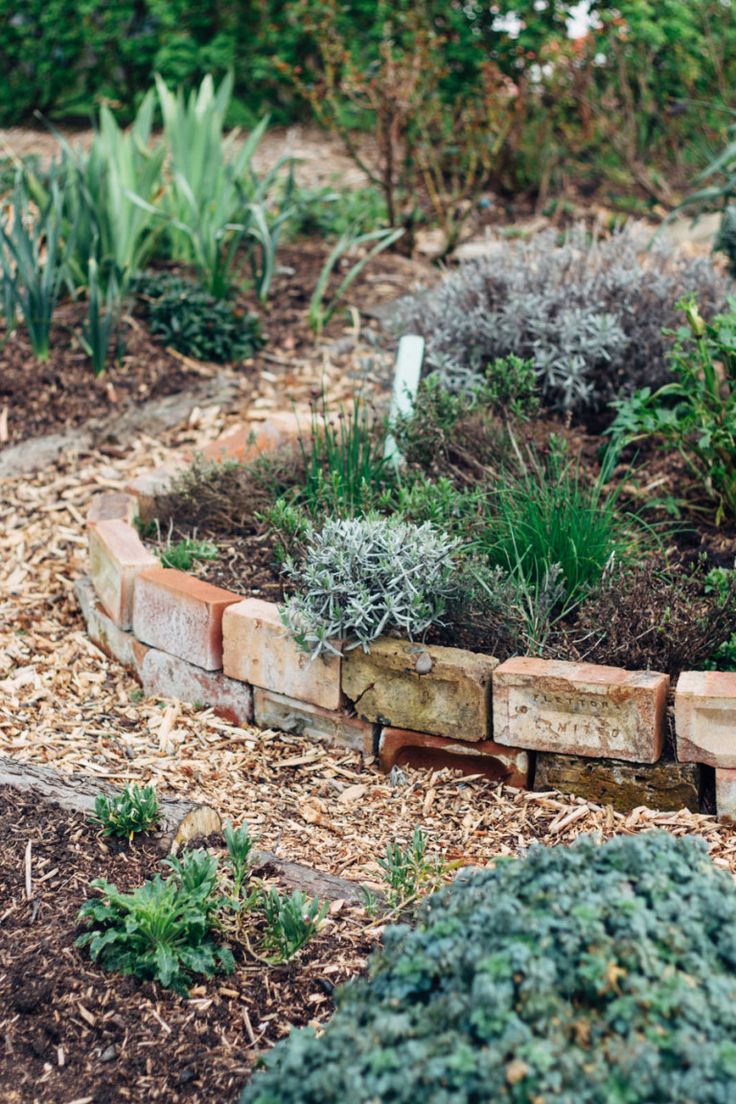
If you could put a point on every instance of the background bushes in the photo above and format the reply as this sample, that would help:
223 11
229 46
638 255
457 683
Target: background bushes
646 88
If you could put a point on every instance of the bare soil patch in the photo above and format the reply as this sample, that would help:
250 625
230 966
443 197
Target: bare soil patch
72 1030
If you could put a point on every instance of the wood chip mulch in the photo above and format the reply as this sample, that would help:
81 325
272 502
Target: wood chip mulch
62 703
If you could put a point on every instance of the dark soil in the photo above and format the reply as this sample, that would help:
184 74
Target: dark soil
63 393
72 1032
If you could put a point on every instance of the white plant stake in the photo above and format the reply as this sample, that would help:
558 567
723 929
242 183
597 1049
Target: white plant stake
406 381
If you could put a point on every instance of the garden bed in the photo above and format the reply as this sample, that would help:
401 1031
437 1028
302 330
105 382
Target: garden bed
66 1020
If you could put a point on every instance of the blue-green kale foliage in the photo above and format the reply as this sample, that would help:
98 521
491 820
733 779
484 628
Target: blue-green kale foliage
594 974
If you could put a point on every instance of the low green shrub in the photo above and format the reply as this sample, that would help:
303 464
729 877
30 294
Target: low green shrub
182 314
721 582
694 415
588 974
361 578
135 809
163 931
331 212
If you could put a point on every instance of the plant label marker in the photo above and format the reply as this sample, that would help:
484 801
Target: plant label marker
406 381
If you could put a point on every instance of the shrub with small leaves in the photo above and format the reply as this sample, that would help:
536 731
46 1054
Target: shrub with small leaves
589 313
589 974
186 317
135 809
162 931
363 578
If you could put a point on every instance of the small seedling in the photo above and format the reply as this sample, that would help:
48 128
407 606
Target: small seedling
135 809
407 869
184 554
239 843
290 922
163 931
369 899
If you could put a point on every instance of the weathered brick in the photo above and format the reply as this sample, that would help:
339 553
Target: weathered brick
168 676
247 442
324 725
726 794
451 697
258 649
664 785
102 630
580 709
112 506
400 746
145 487
705 718
181 615
116 557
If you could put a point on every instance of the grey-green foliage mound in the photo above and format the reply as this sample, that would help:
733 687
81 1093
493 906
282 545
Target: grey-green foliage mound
592 973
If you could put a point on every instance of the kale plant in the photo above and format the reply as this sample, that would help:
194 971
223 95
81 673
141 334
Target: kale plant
362 578
589 313
184 315
591 974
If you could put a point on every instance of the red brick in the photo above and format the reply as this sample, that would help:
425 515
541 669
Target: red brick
399 746
112 506
705 718
181 615
323 725
247 442
258 649
580 709
168 676
117 556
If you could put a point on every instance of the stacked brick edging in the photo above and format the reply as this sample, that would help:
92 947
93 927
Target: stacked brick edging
403 702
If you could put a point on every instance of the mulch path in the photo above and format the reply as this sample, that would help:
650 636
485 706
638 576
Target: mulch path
71 1031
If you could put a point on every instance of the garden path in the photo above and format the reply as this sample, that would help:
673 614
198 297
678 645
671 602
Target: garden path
64 704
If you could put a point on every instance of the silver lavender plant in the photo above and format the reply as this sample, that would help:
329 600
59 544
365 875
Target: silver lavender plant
363 577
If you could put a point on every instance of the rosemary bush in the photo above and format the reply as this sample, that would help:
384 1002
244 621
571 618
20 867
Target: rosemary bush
588 974
362 578
589 313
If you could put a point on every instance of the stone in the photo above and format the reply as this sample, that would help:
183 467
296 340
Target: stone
323 725
580 709
102 630
258 649
705 718
401 747
168 676
726 794
181 615
625 786
112 506
451 699
144 488
116 558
